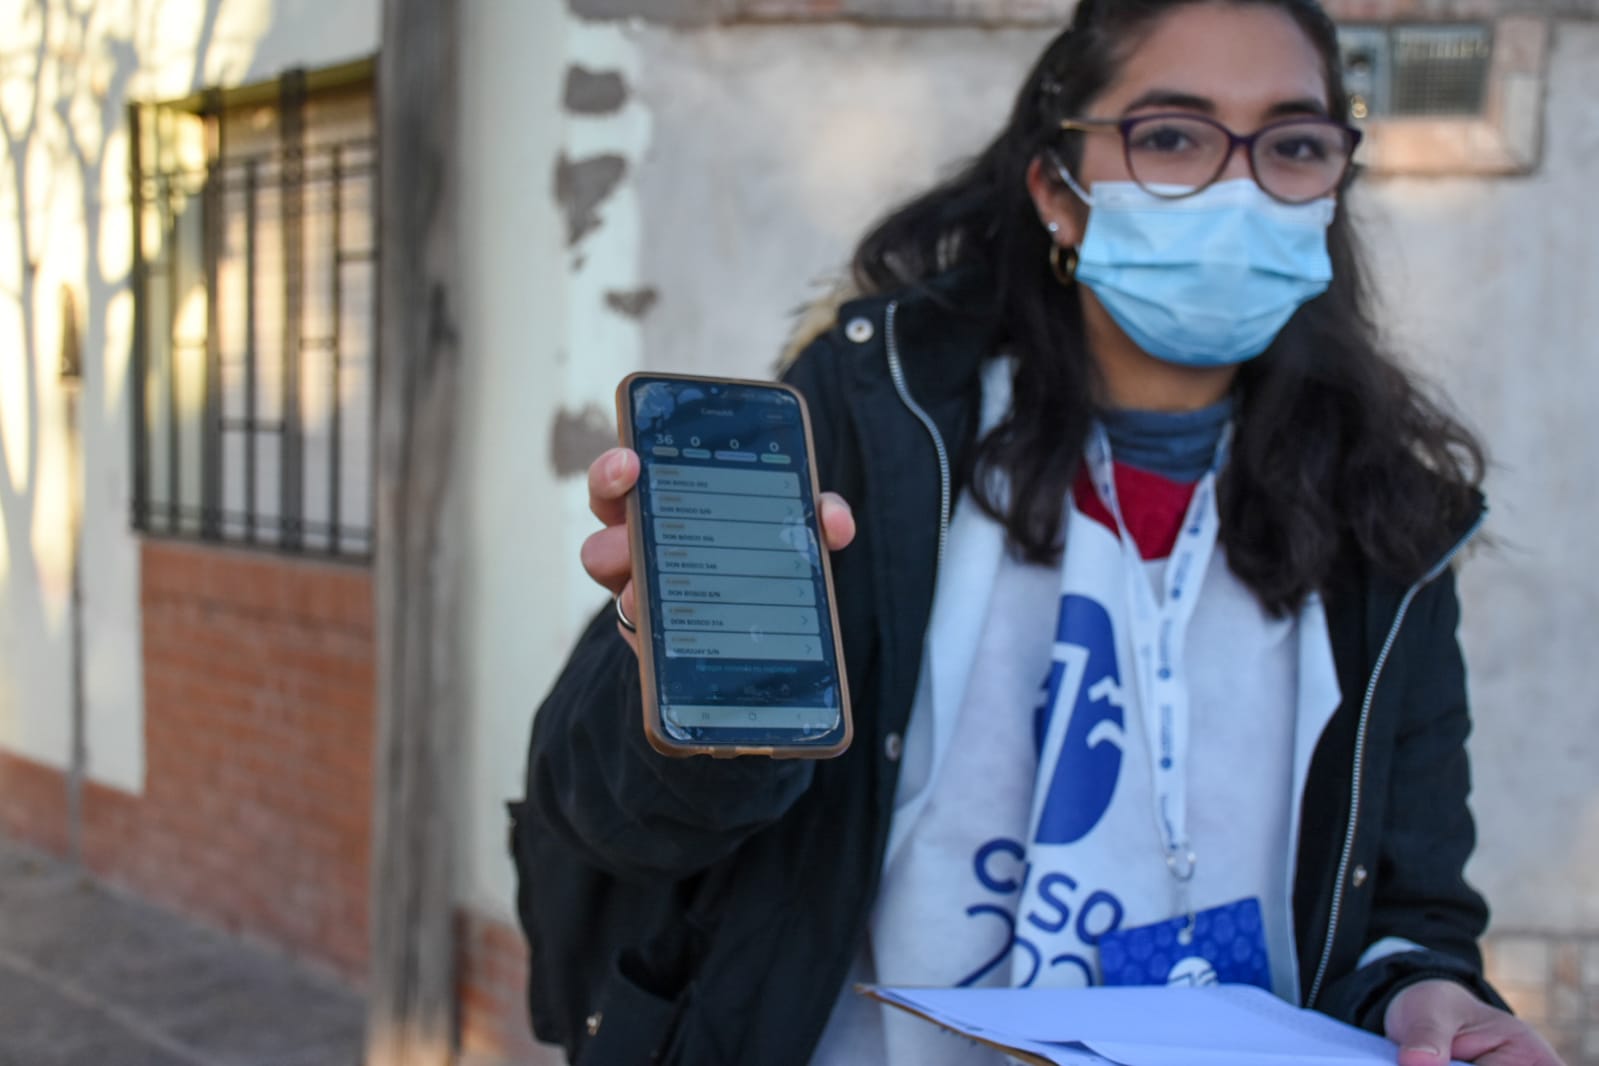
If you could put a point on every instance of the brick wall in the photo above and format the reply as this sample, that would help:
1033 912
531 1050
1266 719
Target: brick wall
33 804
259 704
260 696
492 984
256 816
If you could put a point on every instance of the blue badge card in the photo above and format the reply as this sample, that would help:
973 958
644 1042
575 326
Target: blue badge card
1228 946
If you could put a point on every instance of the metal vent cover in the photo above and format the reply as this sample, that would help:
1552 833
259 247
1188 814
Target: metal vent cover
1419 69
1440 70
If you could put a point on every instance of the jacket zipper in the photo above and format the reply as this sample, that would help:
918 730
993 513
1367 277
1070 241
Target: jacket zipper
1360 753
897 372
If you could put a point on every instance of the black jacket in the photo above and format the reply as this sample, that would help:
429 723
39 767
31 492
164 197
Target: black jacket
706 912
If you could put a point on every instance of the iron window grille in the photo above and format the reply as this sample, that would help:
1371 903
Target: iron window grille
255 297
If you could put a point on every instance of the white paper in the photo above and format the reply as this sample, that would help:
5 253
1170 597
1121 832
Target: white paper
1222 1025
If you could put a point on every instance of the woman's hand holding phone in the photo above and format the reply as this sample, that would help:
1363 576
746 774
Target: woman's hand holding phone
606 555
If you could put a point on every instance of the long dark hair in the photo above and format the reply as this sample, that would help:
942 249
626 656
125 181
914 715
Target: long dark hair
1335 445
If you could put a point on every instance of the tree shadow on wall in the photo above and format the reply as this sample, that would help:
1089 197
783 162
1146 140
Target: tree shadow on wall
67 70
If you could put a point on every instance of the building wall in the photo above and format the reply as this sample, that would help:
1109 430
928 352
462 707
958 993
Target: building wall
725 192
762 169
521 360
65 213
638 194
1489 283
228 695
259 716
256 814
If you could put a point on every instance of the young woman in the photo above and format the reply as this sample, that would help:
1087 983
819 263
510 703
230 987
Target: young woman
1144 583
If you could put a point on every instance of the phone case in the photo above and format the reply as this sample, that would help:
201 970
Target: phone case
654 730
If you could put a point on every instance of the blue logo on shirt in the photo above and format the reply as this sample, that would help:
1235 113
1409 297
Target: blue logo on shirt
1062 906
1083 672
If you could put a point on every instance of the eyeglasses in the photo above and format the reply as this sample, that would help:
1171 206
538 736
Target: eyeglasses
1175 155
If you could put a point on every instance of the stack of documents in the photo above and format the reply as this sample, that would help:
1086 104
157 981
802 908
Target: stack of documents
1220 1025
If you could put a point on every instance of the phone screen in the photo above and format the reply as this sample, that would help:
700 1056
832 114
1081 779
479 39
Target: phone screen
740 627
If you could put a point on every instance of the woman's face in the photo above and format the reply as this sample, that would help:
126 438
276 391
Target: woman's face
1242 64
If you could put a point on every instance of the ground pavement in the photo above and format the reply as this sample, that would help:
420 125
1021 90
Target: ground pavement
89 977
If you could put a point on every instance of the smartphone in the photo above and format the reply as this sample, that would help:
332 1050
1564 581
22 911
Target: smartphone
739 649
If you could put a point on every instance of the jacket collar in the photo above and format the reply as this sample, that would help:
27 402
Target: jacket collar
944 327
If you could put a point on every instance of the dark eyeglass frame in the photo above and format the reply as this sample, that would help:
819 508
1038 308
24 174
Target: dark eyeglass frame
1126 126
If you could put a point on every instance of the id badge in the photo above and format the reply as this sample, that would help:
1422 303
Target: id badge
1228 946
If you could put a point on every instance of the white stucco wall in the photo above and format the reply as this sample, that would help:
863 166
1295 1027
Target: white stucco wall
1493 285
513 335
78 223
543 351
775 148
766 151
710 217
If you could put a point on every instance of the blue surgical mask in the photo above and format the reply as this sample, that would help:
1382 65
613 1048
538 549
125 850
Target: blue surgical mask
1208 279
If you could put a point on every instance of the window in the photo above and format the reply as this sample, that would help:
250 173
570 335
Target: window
1416 70
255 288
1448 97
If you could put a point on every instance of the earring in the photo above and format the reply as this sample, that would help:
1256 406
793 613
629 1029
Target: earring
1053 227
1063 262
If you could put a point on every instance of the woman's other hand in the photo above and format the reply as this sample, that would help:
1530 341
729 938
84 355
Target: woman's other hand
1435 1021
606 554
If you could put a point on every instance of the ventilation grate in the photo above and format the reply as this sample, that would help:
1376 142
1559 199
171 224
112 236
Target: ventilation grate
1437 69
1440 70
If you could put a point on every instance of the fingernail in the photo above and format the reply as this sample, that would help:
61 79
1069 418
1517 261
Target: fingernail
615 465
1434 1052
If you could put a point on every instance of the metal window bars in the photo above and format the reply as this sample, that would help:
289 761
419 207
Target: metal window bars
255 292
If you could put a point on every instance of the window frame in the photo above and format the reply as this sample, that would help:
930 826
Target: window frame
1505 138
187 513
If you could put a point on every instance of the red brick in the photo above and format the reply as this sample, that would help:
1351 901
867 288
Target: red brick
259 705
33 803
491 971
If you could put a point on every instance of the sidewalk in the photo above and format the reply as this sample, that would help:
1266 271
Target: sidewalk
92 978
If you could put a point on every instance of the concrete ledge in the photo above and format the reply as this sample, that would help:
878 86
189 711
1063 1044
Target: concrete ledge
707 12
1028 12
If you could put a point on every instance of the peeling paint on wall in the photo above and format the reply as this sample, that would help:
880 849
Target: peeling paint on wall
576 439
634 303
591 92
580 188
